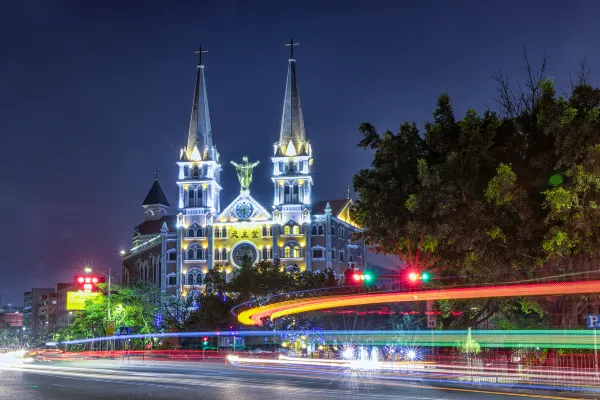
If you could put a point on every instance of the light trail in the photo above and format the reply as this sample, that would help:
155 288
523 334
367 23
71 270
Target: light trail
255 315
559 339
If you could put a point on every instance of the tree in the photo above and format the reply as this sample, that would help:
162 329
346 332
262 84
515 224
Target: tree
488 199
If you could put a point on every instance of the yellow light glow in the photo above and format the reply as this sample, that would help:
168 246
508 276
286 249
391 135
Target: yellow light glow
281 183
185 271
284 344
186 186
204 270
301 181
320 347
228 270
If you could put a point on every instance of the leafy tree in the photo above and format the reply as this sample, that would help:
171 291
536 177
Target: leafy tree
488 198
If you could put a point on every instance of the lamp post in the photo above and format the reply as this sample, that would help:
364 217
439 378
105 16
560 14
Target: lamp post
89 270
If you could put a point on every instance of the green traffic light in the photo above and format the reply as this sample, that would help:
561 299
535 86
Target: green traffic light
368 277
425 276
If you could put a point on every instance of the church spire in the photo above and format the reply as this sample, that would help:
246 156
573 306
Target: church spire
200 142
292 137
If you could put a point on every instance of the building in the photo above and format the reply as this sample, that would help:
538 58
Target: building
11 316
32 301
63 316
176 251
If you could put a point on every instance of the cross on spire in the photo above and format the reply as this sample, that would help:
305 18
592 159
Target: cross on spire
199 52
291 44
156 174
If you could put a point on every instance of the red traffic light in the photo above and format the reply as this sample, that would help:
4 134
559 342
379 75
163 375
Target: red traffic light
413 277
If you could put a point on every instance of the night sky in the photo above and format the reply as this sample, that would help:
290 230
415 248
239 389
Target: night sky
94 98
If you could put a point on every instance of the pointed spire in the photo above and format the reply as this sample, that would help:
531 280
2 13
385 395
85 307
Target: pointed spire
200 132
292 121
156 196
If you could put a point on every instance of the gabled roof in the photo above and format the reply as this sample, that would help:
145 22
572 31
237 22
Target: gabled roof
153 226
337 206
156 196
260 213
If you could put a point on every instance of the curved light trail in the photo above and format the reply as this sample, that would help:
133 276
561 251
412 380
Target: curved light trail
255 315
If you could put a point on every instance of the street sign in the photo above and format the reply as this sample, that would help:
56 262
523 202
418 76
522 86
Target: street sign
76 300
110 328
431 321
593 321
124 330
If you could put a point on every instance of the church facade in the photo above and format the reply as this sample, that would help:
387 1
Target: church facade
175 251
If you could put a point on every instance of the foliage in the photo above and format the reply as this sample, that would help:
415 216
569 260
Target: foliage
488 198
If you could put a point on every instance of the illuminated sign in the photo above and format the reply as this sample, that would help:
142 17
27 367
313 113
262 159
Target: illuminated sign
76 300
88 283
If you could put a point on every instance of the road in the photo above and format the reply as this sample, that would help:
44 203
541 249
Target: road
95 380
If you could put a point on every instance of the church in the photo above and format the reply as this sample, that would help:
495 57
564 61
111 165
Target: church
175 250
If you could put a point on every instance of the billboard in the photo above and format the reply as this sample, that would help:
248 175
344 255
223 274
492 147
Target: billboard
88 283
76 300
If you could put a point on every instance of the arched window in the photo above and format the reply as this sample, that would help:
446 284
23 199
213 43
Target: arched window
186 171
205 170
296 230
217 254
296 251
224 254
195 171
313 230
224 232
264 230
350 257
321 230
333 230
200 232
333 253
342 255
191 233
190 279
200 201
286 230
201 254
217 232
265 253
287 252
190 254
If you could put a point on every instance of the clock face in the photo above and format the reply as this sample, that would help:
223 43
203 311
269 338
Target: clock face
244 210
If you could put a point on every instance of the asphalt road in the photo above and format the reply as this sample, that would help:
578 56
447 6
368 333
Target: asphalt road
95 380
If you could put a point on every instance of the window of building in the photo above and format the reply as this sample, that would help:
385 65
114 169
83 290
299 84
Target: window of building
287 251
296 230
266 231
205 170
201 232
190 254
317 253
333 230
201 254
320 230
292 166
172 281
350 257
223 254
195 171
217 254
191 197
200 200
333 253
224 232
217 232
301 166
297 252
190 279
186 171
342 255
342 232
266 253
191 233
313 230
286 230
280 166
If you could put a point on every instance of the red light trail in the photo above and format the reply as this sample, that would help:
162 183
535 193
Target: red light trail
254 316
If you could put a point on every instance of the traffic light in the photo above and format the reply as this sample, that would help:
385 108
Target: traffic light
366 277
413 277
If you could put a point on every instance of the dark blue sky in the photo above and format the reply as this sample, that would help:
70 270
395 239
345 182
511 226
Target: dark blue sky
94 96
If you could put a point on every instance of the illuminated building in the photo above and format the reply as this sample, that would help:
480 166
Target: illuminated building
176 251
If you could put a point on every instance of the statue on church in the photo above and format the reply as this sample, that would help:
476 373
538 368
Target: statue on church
244 172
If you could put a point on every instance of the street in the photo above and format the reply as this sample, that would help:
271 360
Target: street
210 380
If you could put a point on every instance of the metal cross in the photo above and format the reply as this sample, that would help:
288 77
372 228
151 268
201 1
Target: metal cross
292 44
199 52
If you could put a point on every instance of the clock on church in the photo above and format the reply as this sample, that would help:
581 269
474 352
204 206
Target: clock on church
244 210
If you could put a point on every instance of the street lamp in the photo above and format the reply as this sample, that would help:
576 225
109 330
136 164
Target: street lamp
88 270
